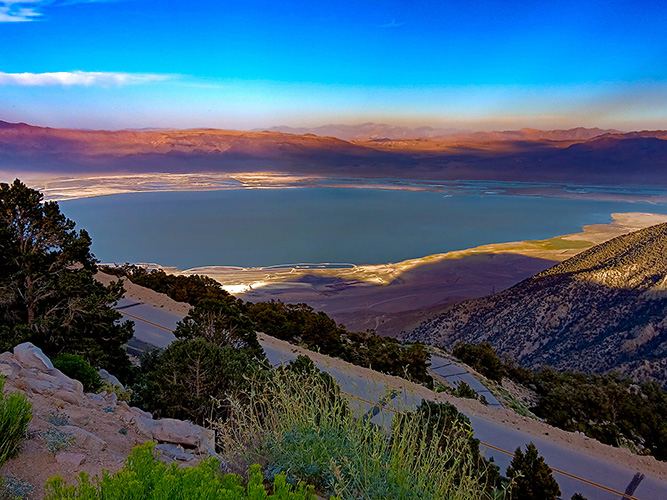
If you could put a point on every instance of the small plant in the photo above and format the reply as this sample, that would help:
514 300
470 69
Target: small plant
58 418
123 431
465 391
14 488
76 367
145 476
108 409
56 439
122 395
15 415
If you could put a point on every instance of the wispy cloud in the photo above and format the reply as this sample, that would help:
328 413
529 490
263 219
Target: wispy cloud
21 11
392 24
85 78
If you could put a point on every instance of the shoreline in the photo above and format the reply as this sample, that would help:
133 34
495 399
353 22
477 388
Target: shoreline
395 297
67 188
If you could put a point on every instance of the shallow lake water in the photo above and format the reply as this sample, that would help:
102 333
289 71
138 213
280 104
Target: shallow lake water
264 227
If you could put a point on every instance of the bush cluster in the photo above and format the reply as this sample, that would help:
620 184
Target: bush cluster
145 477
610 408
299 324
15 415
76 367
311 433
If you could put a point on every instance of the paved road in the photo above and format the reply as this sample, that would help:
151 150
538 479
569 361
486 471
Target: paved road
456 374
594 469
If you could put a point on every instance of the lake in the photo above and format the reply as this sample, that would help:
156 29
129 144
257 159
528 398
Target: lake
264 227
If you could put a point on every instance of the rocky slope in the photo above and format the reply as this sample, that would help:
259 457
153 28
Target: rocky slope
72 431
604 309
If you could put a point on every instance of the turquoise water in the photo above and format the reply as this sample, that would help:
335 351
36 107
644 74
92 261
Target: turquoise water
265 227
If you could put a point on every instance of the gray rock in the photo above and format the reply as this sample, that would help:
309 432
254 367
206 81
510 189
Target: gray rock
40 386
169 430
84 437
70 459
95 397
174 451
31 356
8 368
140 413
61 381
69 397
106 376
208 443
111 398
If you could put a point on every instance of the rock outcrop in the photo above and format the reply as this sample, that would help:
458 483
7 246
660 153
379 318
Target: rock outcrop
73 431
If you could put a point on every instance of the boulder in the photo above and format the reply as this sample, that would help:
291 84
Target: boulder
107 377
140 413
70 459
85 438
70 397
31 356
40 386
174 452
169 430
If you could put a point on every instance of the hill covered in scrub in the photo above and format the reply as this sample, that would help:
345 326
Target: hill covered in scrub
602 310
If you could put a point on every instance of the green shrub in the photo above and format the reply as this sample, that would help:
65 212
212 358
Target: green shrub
56 439
482 358
15 415
74 366
14 488
145 477
122 395
293 422
465 391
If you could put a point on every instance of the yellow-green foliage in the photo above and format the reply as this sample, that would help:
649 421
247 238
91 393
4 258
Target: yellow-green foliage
122 395
15 415
145 477
306 430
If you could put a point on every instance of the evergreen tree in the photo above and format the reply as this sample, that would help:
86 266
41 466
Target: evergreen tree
532 477
48 294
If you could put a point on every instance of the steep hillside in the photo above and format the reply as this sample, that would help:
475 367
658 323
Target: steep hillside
604 309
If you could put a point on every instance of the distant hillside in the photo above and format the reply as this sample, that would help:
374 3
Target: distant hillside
383 132
365 131
604 309
576 156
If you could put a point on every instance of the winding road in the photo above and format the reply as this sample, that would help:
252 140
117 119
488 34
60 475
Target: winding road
576 472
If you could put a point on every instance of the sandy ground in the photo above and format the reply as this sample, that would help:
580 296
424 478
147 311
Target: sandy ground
146 295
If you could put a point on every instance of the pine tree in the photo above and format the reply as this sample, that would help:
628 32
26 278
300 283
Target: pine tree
48 294
532 477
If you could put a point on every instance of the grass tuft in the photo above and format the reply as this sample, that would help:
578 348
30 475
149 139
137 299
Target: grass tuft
303 427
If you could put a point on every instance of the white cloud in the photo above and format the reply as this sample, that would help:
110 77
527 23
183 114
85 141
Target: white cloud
392 24
17 11
85 78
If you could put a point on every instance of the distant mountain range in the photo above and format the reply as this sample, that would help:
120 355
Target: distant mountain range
579 156
602 310
382 132
365 131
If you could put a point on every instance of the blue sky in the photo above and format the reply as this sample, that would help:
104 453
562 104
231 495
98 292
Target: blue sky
480 65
